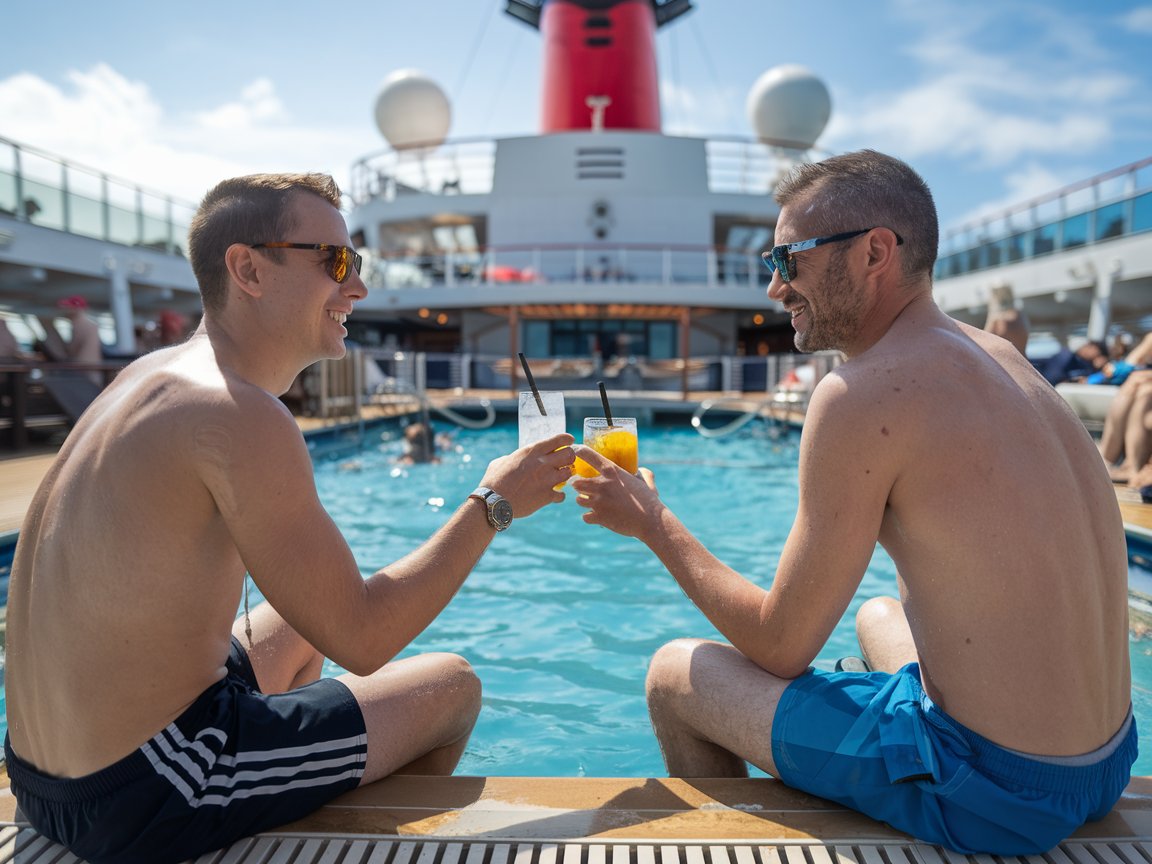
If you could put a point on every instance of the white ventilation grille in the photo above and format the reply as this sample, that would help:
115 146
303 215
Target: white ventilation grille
26 847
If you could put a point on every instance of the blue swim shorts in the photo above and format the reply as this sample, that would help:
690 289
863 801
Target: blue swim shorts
235 763
876 743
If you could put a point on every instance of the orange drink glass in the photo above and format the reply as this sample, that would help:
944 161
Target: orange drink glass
617 442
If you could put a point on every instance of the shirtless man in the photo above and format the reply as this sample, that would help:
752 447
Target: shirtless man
136 729
943 444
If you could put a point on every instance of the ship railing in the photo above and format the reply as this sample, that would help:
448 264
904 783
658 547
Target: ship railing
466 166
377 376
638 263
1111 205
368 383
45 190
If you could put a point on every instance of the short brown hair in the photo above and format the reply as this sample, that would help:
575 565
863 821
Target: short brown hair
251 209
867 189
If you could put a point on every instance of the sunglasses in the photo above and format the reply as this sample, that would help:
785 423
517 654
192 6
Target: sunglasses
339 257
780 258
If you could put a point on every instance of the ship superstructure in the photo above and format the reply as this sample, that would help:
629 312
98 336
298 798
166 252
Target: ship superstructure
601 244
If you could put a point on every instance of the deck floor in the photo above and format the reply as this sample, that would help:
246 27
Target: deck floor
525 820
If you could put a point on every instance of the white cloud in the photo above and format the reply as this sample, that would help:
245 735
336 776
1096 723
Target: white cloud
258 103
1050 94
104 121
1024 184
1139 20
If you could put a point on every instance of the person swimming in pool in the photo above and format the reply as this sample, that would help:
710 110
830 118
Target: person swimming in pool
145 722
998 715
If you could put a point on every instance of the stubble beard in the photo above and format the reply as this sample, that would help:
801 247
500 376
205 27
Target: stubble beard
837 321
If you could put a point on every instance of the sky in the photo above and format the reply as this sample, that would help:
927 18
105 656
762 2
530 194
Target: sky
993 101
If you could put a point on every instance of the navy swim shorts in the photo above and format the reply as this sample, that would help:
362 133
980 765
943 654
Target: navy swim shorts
876 743
235 763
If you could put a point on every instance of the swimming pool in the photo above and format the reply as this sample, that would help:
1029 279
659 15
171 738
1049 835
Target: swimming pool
561 618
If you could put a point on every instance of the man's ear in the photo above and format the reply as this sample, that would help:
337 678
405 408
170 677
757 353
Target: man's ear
243 268
882 249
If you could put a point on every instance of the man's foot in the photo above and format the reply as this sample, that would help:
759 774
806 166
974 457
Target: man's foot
1121 473
852 664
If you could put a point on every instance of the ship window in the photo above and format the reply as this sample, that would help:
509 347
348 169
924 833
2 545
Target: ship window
1015 247
1044 239
536 337
1109 221
598 22
1142 212
1075 231
598 41
662 340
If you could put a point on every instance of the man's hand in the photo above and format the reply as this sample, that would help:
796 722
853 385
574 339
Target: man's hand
625 503
526 476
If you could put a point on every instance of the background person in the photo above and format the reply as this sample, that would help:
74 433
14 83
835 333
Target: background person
143 723
943 444
83 345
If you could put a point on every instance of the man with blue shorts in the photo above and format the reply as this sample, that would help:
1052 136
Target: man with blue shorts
997 715
144 722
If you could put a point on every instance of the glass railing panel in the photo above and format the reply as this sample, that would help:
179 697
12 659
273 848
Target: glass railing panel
1074 231
85 216
155 233
7 193
43 204
1109 221
1081 200
1142 212
122 225
1044 239
1016 247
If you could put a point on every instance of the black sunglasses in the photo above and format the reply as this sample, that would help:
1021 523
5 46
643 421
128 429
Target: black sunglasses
780 258
338 256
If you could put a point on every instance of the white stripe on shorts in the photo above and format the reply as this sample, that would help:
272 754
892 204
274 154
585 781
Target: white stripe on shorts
193 770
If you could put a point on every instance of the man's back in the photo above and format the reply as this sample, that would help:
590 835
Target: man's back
1006 534
148 574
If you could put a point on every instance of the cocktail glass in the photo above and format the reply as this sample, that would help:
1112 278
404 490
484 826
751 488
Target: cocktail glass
617 442
535 426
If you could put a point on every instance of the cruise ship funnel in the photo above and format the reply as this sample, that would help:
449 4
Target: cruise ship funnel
599 61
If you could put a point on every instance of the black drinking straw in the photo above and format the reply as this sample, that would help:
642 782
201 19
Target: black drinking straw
532 384
607 408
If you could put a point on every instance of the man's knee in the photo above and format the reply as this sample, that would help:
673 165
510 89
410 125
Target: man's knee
878 613
668 671
456 677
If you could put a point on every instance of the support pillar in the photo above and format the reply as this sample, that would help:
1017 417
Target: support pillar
120 303
513 349
1100 314
685 347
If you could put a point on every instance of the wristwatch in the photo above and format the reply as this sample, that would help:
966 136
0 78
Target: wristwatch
499 510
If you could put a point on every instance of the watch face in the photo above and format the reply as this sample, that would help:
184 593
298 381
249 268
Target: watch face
501 513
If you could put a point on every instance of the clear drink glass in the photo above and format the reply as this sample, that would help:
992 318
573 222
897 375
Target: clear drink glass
535 426
618 442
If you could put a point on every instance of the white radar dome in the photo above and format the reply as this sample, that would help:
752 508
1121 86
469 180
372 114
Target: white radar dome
788 106
412 110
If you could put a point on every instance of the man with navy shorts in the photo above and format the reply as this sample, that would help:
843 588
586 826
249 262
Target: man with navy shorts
996 716
145 721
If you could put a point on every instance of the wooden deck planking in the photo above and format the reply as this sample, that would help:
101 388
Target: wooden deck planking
529 820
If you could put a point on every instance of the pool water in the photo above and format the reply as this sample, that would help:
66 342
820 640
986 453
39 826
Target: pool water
560 618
